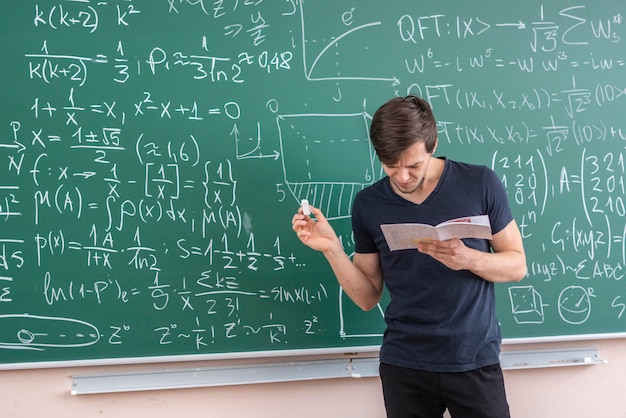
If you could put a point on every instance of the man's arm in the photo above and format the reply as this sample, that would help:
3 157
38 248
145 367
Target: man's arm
360 278
506 264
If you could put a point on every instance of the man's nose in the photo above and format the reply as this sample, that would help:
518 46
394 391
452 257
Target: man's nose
403 174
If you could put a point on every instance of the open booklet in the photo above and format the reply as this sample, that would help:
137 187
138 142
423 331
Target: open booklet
405 236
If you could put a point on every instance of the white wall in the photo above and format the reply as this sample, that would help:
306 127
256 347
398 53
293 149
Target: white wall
571 392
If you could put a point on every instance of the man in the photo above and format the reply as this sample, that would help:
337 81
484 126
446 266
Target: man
442 342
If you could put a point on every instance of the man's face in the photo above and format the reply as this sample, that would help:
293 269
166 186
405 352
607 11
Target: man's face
407 175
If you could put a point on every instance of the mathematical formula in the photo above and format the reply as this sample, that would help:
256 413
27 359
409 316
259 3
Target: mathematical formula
153 158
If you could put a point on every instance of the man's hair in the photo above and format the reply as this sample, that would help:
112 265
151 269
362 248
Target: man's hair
401 123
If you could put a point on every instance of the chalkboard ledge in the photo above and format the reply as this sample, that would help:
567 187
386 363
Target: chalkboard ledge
298 371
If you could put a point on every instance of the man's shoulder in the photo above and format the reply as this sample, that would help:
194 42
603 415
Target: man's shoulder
470 171
373 198
465 166
375 189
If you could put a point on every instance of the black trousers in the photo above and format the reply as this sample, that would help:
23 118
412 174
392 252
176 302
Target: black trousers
412 393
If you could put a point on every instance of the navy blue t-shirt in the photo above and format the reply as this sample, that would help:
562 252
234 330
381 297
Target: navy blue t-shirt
438 319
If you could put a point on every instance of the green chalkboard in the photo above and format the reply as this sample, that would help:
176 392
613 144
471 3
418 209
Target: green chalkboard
152 154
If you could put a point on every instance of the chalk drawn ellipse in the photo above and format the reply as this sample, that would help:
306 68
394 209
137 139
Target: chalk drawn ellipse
34 332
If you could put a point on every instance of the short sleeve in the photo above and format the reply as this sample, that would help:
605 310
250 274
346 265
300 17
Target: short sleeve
498 207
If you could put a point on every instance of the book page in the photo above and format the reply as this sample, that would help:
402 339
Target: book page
408 235
404 236
463 230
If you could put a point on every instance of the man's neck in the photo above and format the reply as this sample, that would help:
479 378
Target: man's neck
431 179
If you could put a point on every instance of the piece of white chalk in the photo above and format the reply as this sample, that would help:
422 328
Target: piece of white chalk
305 207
